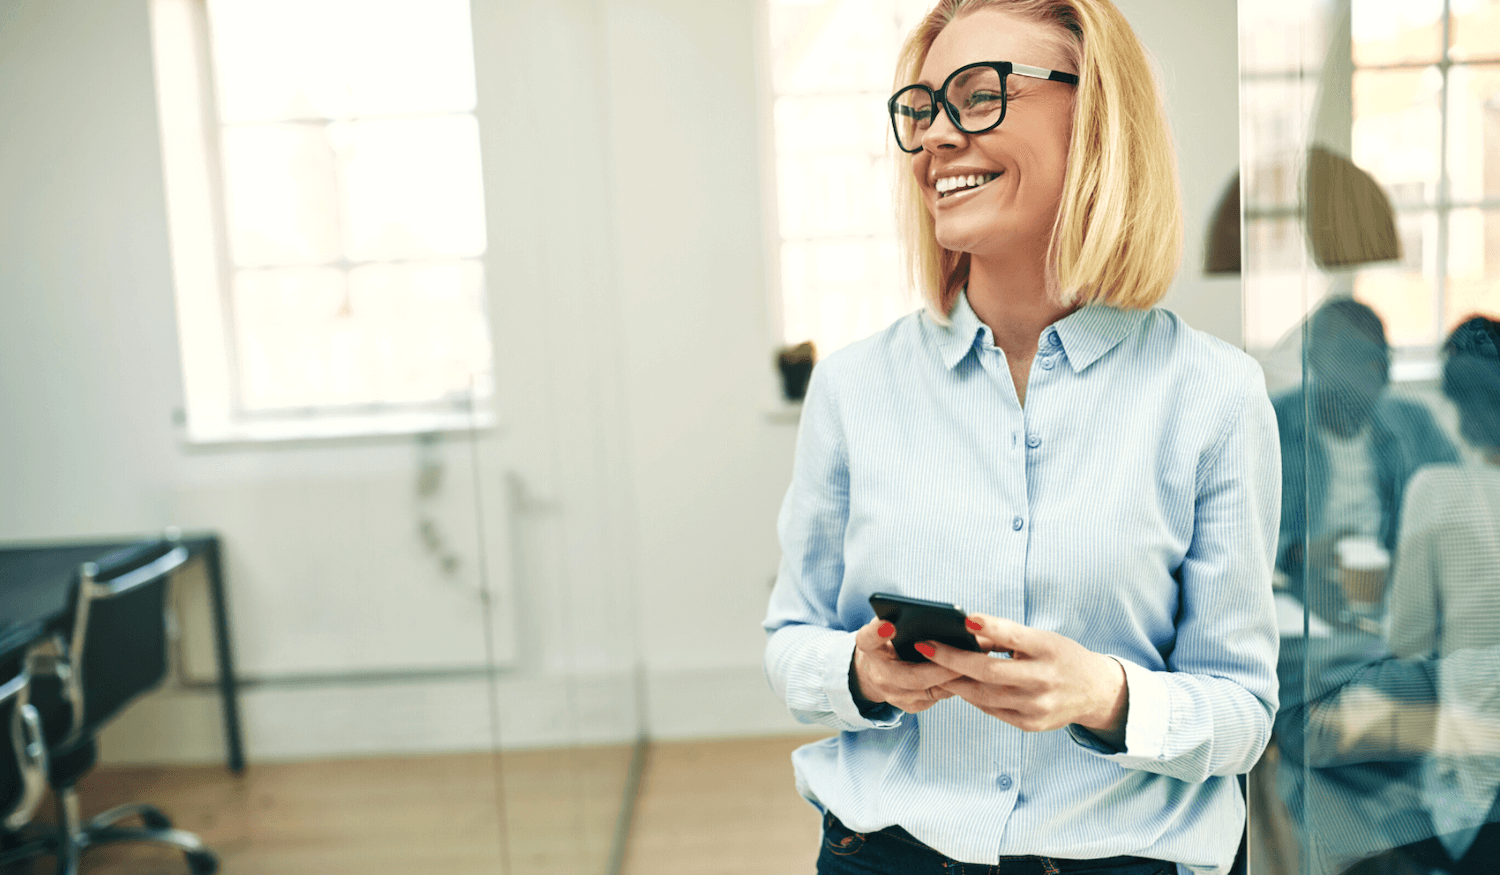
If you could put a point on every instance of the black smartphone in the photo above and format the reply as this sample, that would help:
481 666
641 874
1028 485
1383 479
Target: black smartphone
922 620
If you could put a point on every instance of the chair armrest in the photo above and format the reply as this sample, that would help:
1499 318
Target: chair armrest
49 657
31 756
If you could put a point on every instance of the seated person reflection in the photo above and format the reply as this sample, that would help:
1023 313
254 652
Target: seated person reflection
1446 589
1445 599
1402 750
1348 450
1095 481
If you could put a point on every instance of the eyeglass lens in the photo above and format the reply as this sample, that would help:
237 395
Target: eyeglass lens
977 94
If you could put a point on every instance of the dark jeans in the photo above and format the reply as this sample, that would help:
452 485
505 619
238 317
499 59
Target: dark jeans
893 851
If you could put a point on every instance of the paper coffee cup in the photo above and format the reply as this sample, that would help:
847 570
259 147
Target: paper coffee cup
1363 564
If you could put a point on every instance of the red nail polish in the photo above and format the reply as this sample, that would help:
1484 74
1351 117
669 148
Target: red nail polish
974 625
886 630
926 650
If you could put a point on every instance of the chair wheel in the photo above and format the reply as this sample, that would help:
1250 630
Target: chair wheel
155 820
203 862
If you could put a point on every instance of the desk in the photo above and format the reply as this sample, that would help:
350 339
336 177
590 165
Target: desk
35 582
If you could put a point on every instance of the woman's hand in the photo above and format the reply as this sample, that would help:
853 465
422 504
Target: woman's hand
1049 682
881 676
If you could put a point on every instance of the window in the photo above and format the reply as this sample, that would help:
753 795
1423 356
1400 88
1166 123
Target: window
326 212
1413 99
837 257
1427 126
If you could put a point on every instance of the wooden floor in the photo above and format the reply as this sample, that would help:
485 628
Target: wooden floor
722 806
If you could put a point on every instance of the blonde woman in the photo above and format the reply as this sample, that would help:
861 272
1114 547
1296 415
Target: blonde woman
1096 482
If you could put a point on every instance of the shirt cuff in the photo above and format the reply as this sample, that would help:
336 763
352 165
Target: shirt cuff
1150 711
841 699
1146 720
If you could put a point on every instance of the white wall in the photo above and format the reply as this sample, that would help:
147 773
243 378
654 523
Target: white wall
627 292
1197 47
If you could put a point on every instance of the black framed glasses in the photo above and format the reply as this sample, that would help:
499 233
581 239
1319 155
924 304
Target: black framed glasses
973 96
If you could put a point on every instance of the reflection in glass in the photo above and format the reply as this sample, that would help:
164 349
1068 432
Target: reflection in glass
1385 756
1474 132
1475 31
1403 291
1474 266
1397 31
1395 113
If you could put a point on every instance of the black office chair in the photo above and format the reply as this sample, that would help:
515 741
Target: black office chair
115 651
23 766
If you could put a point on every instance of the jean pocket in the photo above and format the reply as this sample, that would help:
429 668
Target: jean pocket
839 839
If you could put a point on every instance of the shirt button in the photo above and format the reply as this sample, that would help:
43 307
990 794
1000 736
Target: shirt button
1033 441
1005 782
1049 363
1017 523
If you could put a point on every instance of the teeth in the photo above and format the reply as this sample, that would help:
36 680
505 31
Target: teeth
949 184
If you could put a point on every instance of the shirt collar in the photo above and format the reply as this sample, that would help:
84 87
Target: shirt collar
1085 335
1089 332
963 331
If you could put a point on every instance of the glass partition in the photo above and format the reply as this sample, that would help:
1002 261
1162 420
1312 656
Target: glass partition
1369 141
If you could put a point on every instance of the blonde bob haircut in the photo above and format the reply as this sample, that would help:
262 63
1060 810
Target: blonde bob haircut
1117 238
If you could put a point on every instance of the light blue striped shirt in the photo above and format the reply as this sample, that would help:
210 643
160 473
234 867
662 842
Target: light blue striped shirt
1132 505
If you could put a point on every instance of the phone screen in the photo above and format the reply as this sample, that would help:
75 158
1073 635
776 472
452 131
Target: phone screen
922 620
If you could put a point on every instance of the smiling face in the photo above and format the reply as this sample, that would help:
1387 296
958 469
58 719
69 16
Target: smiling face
995 194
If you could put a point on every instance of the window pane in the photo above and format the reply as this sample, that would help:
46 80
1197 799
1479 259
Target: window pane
839 292
280 197
813 124
838 45
1474 132
295 348
411 187
424 327
1397 31
1397 117
1404 293
1475 30
284 59
1473 266
833 175
394 334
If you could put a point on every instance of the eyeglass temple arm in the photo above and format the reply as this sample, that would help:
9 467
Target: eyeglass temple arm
1040 73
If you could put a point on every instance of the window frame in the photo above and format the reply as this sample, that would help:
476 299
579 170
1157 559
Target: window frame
203 273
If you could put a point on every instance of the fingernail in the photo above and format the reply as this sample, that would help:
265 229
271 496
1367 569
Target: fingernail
886 630
973 624
926 650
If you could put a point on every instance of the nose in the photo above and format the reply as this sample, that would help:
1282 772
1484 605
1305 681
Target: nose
943 133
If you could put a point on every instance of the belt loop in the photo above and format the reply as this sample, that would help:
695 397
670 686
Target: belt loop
1049 866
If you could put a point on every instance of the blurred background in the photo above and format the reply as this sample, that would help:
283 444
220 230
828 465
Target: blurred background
454 323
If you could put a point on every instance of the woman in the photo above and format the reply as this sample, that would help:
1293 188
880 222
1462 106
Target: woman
1445 602
1096 481
1445 590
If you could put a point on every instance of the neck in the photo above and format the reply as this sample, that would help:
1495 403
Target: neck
1011 298
1493 456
